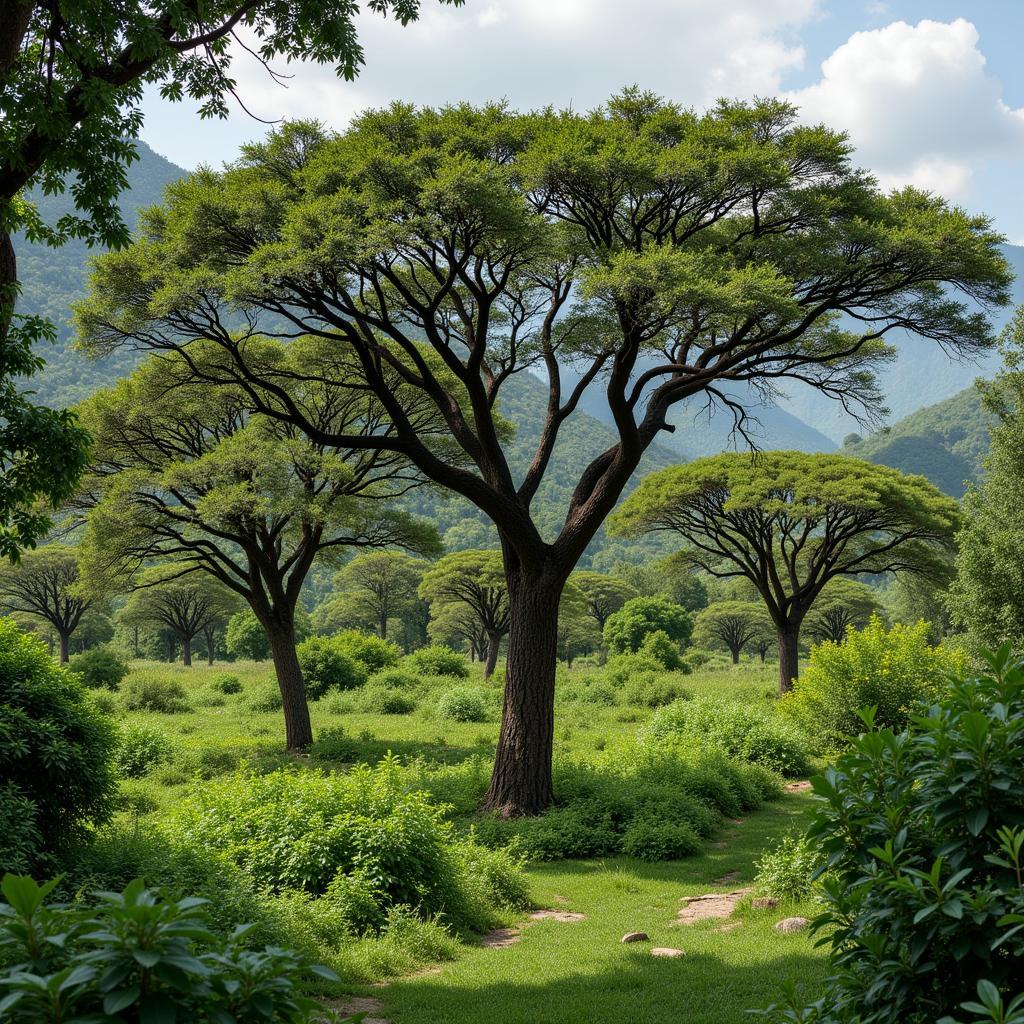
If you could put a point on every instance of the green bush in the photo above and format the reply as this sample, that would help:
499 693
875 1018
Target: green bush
139 749
438 660
264 698
333 746
648 690
227 684
588 689
387 700
628 628
621 669
752 731
153 693
373 653
245 637
56 754
660 646
923 834
134 957
325 666
787 871
651 838
463 705
895 670
99 668
292 830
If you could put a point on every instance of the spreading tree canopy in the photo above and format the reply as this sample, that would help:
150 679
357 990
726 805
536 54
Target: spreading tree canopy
731 625
384 582
641 253
790 522
842 605
603 594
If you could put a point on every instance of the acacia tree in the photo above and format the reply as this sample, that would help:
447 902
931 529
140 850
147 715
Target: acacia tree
71 85
730 624
384 581
45 585
183 474
603 594
790 523
186 606
456 625
642 252
841 605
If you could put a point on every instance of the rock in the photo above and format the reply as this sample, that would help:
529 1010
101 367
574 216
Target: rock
635 937
556 915
709 906
765 903
667 951
788 925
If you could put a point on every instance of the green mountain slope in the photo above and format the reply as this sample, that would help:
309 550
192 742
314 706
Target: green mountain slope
946 442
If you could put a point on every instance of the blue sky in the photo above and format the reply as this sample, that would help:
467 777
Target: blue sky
931 91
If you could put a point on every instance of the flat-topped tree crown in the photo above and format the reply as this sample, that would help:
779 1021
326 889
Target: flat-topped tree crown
641 252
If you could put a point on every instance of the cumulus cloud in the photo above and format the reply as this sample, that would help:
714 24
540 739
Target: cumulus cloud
919 104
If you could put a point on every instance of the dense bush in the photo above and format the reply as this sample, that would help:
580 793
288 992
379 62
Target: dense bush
373 653
463 704
245 636
649 690
301 830
140 749
648 837
56 749
438 660
662 648
325 666
265 697
752 731
628 628
134 957
99 667
923 834
154 693
227 684
893 670
387 700
787 871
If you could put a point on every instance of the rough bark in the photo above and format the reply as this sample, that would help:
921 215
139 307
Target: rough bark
493 645
521 781
382 624
186 651
297 726
789 656
65 643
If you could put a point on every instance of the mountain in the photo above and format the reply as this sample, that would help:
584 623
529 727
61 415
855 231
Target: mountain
946 442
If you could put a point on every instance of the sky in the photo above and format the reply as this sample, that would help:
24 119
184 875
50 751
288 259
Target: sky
930 91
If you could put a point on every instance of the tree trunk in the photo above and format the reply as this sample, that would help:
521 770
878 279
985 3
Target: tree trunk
297 727
186 651
735 652
65 639
493 645
521 782
210 644
789 656
382 625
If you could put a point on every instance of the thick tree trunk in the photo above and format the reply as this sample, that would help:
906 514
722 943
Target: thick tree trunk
789 656
493 645
210 645
186 651
521 783
297 727
735 652
65 642
382 625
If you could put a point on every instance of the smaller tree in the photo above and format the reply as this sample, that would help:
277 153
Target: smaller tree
731 625
627 628
667 577
603 593
245 637
384 583
842 605
45 584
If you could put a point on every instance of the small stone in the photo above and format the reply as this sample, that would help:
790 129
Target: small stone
635 937
667 951
788 925
764 903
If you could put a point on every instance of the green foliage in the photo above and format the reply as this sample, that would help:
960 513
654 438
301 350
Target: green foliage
628 628
751 731
226 684
843 605
732 625
140 749
325 666
651 838
387 700
922 834
55 753
463 704
661 648
135 957
245 637
264 698
787 871
99 667
144 692
373 653
438 660
896 671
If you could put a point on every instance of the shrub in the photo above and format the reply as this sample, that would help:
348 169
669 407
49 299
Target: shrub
333 746
626 629
893 670
751 731
622 668
387 700
660 646
227 684
648 690
245 637
651 838
99 668
264 697
56 754
438 660
787 871
326 667
134 957
463 705
152 693
139 749
588 689
373 653
922 831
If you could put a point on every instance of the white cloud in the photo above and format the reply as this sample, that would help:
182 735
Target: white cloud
919 104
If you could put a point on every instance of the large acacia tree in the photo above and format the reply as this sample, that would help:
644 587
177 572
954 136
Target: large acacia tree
641 253
790 523
182 473
71 83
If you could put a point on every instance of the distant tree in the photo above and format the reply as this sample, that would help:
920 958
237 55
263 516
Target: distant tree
457 626
909 601
669 578
384 582
185 605
245 637
731 625
790 523
841 605
578 632
627 628
603 593
46 585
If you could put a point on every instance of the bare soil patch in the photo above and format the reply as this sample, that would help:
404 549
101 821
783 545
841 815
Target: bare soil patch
710 906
